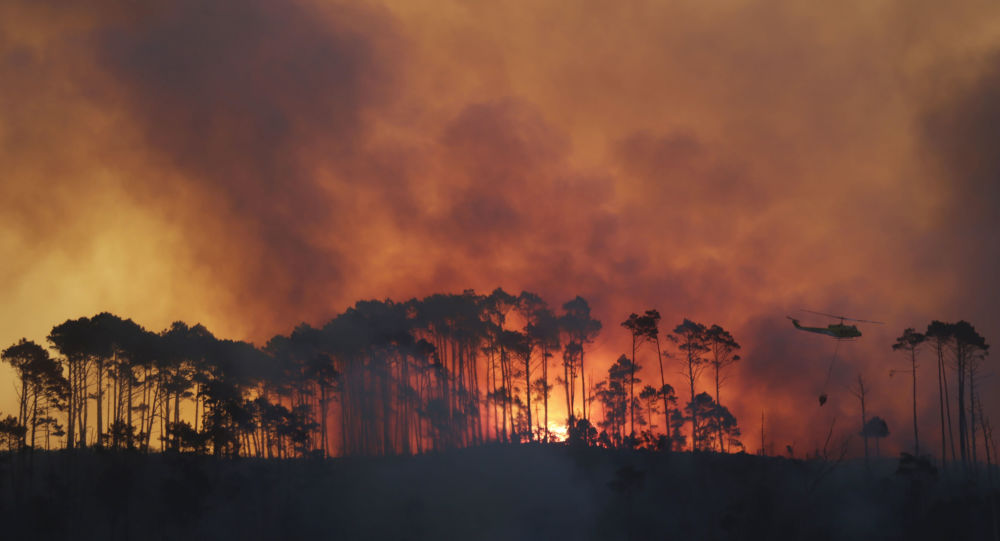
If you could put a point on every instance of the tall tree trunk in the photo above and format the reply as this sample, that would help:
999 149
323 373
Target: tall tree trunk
583 386
545 388
527 393
22 407
83 405
568 387
694 412
960 370
663 383
71 403
505 398
492 384
631 395
947 411
177 419
718 402
508 386
913 366
34 415
100 391
944 438
972 416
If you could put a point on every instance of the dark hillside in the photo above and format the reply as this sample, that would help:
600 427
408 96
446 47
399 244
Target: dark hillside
496 492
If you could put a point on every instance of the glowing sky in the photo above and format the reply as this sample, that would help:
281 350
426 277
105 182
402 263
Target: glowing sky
251 165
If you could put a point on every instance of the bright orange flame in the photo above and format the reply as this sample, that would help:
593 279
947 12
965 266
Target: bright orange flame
558 432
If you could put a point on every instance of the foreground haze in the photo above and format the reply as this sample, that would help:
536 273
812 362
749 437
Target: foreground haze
493 492
251 165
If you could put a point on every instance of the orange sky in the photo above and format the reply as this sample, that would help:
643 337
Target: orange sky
250 165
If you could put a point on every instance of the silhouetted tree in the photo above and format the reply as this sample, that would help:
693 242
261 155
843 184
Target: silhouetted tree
861 392
517 345
12 433
74 340
380 378
572 352
716 423
652 332
877 428
910 341
496 306
614 396
543 332
581 329
42 385
722 346
635 327
969 348
581 433
642 328
189 357
648 397
691 340
940 336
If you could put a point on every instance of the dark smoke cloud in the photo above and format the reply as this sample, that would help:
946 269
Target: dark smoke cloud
961 135
255 164
251 105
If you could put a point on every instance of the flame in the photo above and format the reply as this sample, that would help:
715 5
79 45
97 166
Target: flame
558 431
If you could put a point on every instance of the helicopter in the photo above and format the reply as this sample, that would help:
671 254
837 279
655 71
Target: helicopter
839 331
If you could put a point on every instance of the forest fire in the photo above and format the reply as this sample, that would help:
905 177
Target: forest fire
300 231
483 176
558 432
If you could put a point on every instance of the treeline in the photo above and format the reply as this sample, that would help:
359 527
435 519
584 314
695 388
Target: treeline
384 377
626 403
959 351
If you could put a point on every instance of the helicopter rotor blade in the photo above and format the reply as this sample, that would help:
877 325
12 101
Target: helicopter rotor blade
822 314
843 317
866 321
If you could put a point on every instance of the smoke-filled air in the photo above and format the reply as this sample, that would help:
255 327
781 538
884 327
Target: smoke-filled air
317 231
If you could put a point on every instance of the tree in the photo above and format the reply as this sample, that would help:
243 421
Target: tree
496 307
910 341
636 328
642 328
877 428
969 348
538 332
940 336
517 344
403 377
116 346
42 385
648 397
581 433
12 433
722 346
652 332
614 397
543 331
581 329
73 339
691 340
716 424
860 392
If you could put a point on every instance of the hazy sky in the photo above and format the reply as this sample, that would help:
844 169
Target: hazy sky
251 165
